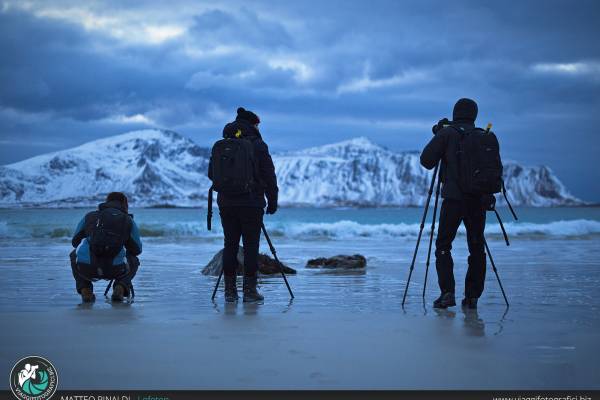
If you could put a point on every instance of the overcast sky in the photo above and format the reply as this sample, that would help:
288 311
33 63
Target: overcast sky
316 72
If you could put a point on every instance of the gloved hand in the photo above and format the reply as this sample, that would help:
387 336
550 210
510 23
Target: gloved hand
440 125
272 208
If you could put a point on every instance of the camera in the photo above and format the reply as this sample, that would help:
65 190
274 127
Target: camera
442 123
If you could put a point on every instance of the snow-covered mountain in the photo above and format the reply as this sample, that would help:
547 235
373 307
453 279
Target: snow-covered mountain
358 172
158 167
154 167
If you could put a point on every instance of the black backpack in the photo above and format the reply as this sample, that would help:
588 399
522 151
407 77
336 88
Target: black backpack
109 233
479 163
233 166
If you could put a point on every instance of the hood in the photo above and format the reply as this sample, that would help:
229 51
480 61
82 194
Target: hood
245 128
465 110
111 204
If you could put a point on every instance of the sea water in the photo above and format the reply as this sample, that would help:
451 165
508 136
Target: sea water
552 257
342 330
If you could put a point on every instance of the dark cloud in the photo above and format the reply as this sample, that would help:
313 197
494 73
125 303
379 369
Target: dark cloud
243 28
316 72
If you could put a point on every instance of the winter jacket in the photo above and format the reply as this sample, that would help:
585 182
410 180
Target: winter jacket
444 146
133 243
267 180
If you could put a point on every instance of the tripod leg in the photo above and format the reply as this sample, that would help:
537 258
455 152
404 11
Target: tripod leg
502 227
435 206
277 260
487 249
108 287
508 202
217 285
209 212
412 264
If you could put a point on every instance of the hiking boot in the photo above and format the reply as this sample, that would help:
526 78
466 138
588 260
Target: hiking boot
251 295
118 293
445 300
231 294
470 303
87 295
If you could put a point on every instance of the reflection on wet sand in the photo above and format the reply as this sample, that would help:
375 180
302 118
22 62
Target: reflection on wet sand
474 326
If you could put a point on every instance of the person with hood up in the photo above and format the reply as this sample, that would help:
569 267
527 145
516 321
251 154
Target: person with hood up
457 207
107 243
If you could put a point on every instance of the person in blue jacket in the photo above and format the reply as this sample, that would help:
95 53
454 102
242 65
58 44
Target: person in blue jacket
107 243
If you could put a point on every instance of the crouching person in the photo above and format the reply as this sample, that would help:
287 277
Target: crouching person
242 172
107 243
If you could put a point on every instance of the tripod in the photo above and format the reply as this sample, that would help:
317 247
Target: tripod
131 260
422 226
110 285
274 252
414 257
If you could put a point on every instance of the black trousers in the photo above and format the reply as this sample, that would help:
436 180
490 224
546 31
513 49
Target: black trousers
85 274
244 222
471 212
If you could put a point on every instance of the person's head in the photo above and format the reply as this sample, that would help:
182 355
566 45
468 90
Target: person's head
465 110
118 197
27 367
243 114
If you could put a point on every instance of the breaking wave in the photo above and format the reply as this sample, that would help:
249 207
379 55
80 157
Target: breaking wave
580 228
350 229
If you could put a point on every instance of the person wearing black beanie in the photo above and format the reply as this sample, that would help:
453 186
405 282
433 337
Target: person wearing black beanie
457 207
245 115
242 212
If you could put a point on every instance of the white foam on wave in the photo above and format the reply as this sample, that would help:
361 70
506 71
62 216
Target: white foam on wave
180 229
344 229
572 228
348 229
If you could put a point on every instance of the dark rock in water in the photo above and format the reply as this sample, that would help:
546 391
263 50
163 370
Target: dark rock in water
266 265
338 262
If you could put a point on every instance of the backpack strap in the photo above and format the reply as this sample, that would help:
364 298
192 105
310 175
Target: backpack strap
255 172
462 133
126 230
457 129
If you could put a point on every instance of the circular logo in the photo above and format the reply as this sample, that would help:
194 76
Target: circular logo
33 378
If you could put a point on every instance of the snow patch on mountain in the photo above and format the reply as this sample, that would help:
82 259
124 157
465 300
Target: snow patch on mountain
358 172
154 167
161 167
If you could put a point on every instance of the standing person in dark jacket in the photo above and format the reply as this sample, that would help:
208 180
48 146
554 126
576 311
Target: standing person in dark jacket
456 208
242 214
87 266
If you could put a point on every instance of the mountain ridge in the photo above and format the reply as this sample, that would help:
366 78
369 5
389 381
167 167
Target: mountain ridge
163 168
